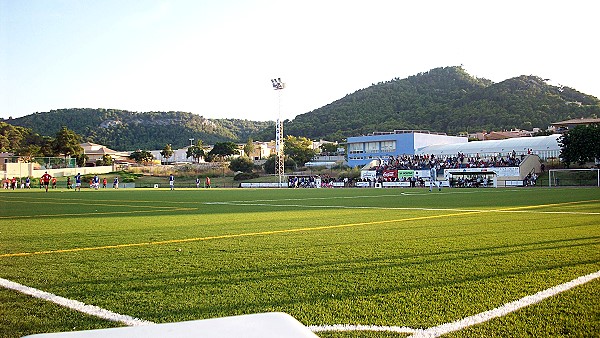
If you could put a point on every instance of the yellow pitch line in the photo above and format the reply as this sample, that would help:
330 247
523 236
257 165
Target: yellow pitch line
273 232
511 209
228 236
549 205
97 213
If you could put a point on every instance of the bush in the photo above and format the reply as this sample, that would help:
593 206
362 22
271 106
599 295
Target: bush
350 173
245 176
269 165
241 163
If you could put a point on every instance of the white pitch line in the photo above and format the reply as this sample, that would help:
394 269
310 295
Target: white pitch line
339 207
482 317
399 208
432 332
352 197
464 323
318 198
74 304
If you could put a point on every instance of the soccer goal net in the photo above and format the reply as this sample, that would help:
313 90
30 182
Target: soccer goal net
574 177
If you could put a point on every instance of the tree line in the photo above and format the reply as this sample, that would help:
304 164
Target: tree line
25 143
579 145
125 130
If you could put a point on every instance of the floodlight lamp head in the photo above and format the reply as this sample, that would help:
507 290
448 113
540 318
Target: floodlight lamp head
277 84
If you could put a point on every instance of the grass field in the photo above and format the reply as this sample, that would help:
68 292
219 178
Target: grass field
399 258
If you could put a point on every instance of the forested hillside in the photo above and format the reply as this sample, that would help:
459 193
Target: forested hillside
442 100
446 100
125 130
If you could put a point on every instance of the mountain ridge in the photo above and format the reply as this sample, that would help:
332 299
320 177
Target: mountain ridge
445 99
448 100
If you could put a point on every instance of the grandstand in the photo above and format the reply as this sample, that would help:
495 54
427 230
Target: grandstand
364 149
510 162
511 170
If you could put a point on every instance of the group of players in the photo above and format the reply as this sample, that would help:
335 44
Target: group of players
15 183
46 180
94 182
172 182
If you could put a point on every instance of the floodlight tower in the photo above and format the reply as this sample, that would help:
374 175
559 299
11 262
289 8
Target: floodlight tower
191 145
278 85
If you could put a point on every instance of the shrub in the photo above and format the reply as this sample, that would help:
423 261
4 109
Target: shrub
241 163
245 176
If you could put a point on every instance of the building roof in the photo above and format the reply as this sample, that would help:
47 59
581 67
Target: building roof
94 148
404 131
573 122
499 135
502 135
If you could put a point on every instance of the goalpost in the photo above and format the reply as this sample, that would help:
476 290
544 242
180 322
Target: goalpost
574 177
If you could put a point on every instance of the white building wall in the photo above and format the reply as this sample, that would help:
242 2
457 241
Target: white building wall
425 140
179 155
27 169
543 146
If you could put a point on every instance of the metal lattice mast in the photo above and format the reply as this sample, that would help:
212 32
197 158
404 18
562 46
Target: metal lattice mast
278 85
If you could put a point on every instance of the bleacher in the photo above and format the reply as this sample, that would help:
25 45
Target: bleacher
509 171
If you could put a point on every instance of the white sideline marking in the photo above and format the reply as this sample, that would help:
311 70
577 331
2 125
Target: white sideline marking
479 318
432 332
399 208
339 207
74 304
350 197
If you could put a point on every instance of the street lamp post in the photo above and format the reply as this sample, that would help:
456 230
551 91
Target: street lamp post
278 85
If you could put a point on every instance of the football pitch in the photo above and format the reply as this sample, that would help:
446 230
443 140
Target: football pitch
344 262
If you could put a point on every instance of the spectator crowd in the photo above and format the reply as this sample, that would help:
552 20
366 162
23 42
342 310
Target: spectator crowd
426 162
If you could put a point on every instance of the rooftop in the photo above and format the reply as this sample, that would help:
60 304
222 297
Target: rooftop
582 121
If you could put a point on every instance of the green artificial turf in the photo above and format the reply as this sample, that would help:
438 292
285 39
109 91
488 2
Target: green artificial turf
388 257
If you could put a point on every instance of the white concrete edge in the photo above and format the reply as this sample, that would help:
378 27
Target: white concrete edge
347 327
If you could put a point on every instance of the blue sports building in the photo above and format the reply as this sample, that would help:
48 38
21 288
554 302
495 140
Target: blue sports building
364 149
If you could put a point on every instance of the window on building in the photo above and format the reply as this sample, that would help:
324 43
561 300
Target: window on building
388 146
355 148
372 147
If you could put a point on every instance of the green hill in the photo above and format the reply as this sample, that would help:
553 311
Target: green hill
445 100
125 130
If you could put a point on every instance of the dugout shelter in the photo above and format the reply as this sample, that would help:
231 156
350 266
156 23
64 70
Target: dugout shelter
476 178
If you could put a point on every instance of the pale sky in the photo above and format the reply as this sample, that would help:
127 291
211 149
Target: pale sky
216 58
